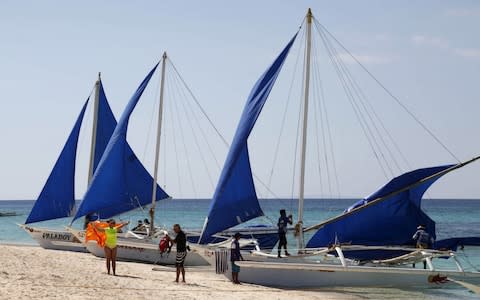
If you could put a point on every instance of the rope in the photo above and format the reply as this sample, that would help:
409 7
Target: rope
362 99
182 136
316 107
277 147
350 97
189 120
154 109
168 88
390 94
200 107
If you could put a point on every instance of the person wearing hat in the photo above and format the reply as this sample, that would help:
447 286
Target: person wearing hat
423 239
235 255
282 224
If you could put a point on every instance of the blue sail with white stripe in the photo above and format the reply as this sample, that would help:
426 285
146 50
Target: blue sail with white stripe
57 199
235 200
391 221
121 183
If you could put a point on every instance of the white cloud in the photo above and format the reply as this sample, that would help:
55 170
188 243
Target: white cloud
463 12
468 52
365 59
438 42
433 41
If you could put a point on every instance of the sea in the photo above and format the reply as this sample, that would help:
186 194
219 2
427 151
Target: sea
453 217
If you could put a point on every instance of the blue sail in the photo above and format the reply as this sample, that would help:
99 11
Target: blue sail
120 183
391 221
106 124
235 200
57 199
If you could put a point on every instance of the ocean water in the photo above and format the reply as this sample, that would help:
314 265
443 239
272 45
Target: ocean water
454 218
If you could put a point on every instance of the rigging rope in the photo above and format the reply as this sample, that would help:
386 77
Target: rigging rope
357 99
349 95
189 120
182 137
390 94
362 99
169 89
282 126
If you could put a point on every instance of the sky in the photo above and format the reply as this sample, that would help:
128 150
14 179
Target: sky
426 52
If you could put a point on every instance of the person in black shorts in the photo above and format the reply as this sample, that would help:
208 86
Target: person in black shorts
181 242
235 255
282 224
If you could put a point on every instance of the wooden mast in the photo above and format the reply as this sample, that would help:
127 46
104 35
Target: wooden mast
157 147
299 225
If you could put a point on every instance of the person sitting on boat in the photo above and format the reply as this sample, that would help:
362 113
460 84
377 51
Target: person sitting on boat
282 224
424 240
139 227
181 242
111 242
235 255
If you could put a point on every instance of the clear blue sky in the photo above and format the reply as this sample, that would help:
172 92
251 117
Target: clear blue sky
426 52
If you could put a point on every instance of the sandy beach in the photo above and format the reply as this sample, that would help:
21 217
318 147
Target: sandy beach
36 273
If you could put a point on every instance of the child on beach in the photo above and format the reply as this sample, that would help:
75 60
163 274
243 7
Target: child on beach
111 242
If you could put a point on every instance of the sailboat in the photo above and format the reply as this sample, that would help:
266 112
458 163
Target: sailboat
396 205
57 198
118 187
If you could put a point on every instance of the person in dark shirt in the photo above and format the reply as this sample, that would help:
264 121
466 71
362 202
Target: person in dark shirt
235 255
424 240
181 242
139 226
282 224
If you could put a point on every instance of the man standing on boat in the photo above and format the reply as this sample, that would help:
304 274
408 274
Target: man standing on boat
424 240
282 224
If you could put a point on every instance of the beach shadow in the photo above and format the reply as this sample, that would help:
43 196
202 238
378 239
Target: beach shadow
128 276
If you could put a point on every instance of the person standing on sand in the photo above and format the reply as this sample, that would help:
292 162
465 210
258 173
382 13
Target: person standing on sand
111 242
282 224
235 255
181 242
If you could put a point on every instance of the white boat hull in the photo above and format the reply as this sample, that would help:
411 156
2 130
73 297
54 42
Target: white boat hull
55 239
145 252
291 275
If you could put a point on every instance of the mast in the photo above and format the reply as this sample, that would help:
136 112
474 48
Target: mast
299 225
157 147
94 129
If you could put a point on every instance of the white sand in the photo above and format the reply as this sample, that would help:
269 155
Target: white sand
36 273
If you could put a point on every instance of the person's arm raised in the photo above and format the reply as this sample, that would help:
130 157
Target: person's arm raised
122 224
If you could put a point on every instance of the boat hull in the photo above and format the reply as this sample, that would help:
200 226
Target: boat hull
55 239
145 252
292 275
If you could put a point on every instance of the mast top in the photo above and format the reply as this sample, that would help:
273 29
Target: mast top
99 76
164 56
309 16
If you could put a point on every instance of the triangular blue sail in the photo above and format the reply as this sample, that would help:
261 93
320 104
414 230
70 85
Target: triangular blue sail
57 199
392 221
235 200
120 183
106 124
